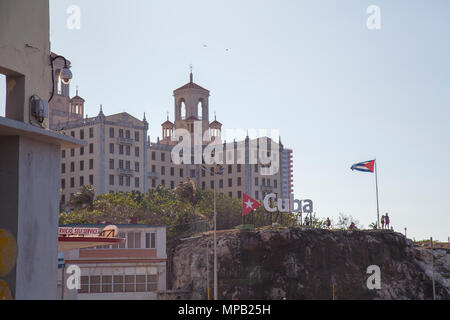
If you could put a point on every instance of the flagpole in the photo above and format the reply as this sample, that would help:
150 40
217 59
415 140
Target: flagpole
376 184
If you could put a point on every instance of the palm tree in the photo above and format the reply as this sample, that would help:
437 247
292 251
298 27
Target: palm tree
83 198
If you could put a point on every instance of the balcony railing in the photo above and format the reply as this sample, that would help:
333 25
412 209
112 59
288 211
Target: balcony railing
154 175
126 141
125 172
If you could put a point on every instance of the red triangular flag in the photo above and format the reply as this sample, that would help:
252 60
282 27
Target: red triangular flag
248 204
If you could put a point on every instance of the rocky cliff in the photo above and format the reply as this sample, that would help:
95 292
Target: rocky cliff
302 263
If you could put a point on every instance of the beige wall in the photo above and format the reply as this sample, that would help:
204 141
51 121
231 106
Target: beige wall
24 53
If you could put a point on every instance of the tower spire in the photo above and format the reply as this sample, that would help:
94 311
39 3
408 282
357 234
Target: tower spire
191 76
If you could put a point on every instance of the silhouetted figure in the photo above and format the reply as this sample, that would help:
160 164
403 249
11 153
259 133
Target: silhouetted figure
382 222
328 223
387 220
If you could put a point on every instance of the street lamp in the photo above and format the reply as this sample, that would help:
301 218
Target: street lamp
66 74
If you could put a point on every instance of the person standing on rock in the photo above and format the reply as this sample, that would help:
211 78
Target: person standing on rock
387 220
382 222
306 221
328 223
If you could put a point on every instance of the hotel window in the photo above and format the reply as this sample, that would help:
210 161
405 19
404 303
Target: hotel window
256 181
181 173
239 194
136 135
81 165
63 154
203 173
72 182
81 181
275 183
107 284
136 182
239 181
63 183
128 150
221 183
111 132
192 173
91 132
239 168
153 183
212 184
256 195
150 240
91 179
152 283
128 181
72 152
91 164
163 157
118 283
120 133
81 151
136 151
72 167
256 168
172 185
120 149
84 281
91 148
133 240
111 164
172 171
153 155
211 171
120 164
230 169
140 283
63 168
128 134
230 182
163 183
136 166
153 168
127 165
81 134
203 185
263 182
163 171
120 180
72 133
111 148
111 180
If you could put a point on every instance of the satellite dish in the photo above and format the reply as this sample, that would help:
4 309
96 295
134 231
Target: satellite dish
110 231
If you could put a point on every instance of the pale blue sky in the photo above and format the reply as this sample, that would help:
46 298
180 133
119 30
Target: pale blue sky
338 92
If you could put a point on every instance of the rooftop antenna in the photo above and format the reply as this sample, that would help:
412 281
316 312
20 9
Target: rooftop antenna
191 75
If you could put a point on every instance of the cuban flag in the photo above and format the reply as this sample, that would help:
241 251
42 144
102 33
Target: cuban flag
367 166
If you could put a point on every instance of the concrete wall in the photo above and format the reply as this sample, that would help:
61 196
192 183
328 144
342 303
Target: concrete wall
29 177
24 53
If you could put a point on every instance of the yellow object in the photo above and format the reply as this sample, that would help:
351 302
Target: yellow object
8 252
5 293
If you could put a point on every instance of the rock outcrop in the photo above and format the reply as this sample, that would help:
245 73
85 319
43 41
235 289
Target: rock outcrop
302 263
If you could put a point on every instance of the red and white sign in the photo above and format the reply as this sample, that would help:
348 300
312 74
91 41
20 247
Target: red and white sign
248 204
78 231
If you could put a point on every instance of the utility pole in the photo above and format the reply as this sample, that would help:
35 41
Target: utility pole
432 269
215 238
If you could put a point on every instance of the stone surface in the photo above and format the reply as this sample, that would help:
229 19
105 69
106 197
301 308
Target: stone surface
301 263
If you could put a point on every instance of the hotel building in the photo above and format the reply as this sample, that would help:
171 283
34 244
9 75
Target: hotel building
135 269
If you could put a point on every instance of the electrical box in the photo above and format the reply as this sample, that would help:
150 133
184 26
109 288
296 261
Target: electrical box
39 108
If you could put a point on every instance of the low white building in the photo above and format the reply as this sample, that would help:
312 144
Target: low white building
135 269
